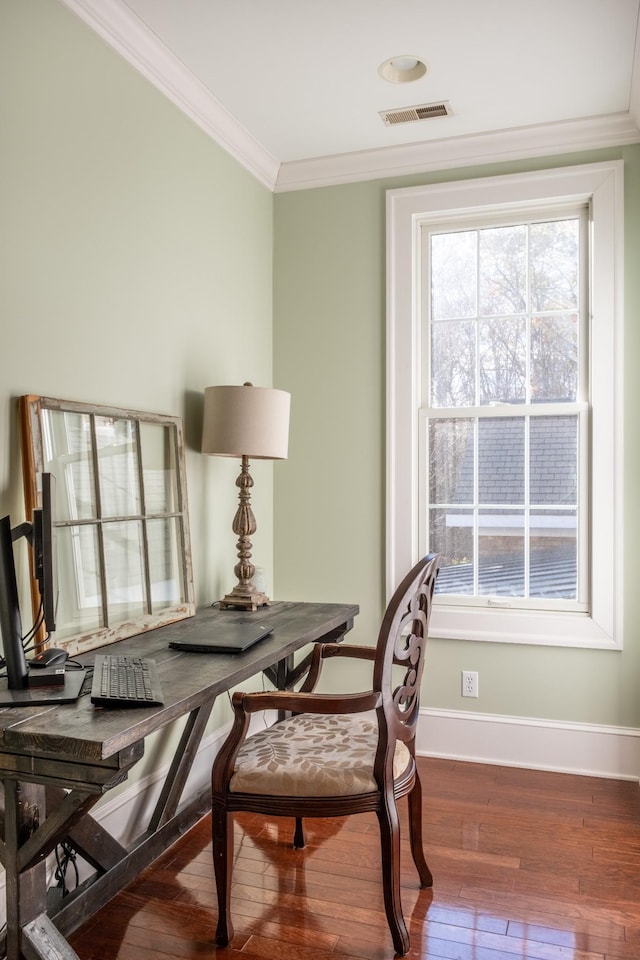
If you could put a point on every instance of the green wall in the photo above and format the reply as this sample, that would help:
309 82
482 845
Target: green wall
135 260
329 327
136 263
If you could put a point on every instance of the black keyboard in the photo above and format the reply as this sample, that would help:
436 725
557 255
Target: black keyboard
120 681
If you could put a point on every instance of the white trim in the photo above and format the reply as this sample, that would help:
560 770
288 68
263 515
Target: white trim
601 186
126 34
634 95
545 140
579 748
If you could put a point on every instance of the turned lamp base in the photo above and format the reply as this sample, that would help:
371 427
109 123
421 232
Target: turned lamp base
244 598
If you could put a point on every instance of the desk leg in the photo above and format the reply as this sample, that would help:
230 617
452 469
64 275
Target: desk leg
88 837
31 832
181 766
26 893
41 941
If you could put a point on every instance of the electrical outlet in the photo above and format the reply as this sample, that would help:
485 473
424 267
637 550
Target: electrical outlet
469 683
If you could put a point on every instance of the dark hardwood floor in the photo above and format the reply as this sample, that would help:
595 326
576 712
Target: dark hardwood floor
526 864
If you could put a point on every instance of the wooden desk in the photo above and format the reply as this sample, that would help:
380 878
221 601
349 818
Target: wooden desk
56 763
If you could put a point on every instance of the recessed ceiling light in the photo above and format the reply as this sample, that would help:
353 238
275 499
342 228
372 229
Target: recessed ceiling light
402 69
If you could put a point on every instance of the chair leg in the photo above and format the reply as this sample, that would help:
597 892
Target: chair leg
298 836
222 837
415 834
390 846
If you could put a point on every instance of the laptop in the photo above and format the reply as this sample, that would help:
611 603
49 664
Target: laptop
232 637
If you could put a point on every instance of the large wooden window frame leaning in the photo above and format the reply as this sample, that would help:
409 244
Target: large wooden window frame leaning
121 526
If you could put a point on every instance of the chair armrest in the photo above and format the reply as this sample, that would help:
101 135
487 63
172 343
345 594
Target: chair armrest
348 650
327 703
324 651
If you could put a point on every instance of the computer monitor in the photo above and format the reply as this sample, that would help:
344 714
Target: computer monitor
15 691
44 552
10 620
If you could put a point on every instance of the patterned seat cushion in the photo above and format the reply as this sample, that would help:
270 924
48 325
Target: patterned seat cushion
313 756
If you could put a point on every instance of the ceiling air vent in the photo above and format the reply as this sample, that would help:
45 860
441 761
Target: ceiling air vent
408 114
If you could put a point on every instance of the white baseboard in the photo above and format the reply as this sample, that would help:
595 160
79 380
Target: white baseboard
580 748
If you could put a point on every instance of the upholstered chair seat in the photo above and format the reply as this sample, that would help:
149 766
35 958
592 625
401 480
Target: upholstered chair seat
313 755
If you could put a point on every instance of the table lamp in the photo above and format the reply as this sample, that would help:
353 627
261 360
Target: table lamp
246 422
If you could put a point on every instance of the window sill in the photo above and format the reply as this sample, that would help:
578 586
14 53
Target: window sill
558 629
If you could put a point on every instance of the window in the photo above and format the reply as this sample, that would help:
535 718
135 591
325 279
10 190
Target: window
502 425
121 522
504 383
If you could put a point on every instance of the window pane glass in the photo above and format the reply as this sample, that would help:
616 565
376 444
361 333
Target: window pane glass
124 570
69 435
554 553
79 610
453 275
503 271
158 469
165 568
451 536
554 465
501 462
503 360
118 467
451 459
554 265
501 553
554 358
453 363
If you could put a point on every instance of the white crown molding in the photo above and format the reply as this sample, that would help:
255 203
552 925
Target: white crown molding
126 34
580 748
517 144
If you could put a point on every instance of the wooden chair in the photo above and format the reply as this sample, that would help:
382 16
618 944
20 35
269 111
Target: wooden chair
335 754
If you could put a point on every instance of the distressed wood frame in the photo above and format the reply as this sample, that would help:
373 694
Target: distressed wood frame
34 462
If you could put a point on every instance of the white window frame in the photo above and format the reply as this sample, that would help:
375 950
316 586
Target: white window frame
600 186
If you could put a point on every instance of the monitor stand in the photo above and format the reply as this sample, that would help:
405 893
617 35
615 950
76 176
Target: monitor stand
43 696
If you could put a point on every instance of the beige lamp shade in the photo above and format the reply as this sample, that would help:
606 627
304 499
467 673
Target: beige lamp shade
246 421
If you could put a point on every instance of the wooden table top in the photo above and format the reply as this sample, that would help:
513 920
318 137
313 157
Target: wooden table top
79 732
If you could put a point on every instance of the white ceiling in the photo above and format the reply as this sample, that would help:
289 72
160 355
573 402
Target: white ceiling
291 87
